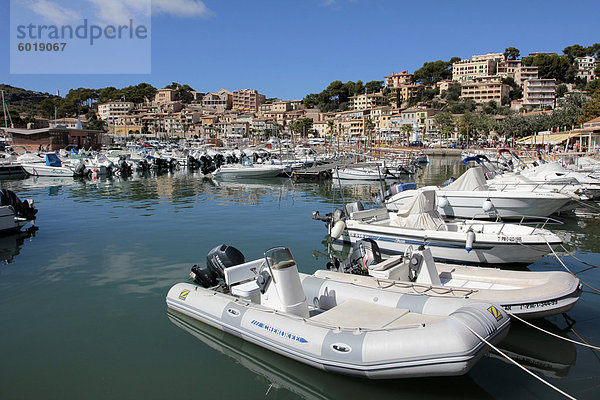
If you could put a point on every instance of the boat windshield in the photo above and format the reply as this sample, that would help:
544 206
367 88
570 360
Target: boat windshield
247 161
279 258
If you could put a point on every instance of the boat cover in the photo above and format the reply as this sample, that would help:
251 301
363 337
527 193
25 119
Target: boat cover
420 213
52 160
472 180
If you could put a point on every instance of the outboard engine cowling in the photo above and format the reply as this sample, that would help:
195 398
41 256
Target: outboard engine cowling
365 253
222 257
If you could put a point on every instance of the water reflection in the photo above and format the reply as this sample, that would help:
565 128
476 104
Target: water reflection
10 245
281 374
538 351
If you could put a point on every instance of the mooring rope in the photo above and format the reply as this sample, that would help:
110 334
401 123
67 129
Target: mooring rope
572 254
516 363
584 343
567 268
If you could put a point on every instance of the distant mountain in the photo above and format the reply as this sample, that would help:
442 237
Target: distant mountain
22 100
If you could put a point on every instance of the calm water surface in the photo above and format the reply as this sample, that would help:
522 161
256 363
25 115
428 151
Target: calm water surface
82 303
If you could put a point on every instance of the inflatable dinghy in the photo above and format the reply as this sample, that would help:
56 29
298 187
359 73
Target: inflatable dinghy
524 293
337 326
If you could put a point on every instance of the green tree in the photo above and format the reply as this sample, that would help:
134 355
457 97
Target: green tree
435 71
512 53
374 86
561 90
445 123
301 126
407 129
552 66
591 109
574 51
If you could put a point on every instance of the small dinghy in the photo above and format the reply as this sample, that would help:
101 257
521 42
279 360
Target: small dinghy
524 293
337 326
462 241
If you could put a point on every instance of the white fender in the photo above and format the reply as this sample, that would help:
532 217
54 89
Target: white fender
443 202
337 229
470 240
487 205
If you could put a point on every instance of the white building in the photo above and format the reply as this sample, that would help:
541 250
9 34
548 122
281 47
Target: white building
586 67
114 110
539 93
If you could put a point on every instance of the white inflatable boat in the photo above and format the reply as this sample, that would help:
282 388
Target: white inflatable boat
337 326
524 293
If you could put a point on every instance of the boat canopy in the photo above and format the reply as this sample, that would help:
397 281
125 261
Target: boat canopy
472 179
420 213
52 160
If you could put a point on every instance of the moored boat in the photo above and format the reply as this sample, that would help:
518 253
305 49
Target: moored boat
336 326
526 294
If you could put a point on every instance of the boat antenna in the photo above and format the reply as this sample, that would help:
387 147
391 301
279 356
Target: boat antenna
4 109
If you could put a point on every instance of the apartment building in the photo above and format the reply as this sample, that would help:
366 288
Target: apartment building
586 67
164 95
476 67
485 89
219 101
516 70
366 101
247 100
397 79
539 93
113 110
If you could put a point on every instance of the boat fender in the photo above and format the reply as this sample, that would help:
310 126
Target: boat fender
443 202
338 229
470 240
487 205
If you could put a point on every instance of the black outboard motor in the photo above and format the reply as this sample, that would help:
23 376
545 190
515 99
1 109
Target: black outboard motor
23 209
217 260
365 253
80 170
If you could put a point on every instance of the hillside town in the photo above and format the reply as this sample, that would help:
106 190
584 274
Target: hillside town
465 102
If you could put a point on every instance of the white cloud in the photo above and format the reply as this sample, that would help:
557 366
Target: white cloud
120 11
53 13
328 3
182 8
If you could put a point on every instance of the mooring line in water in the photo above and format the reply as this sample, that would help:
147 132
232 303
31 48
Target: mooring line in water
572 254
591 207
567 268
516 363
583 343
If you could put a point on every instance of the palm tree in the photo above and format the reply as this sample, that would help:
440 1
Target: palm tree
330 128
407 129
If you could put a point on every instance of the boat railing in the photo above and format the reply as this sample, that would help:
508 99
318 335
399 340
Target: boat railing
539 222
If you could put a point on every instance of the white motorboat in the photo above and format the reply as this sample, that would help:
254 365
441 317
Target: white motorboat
337 326
526 294
14 213
469 196
362 173
249 170
463 241
51 167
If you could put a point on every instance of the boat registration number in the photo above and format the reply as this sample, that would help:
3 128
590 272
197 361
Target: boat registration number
530 306
515 239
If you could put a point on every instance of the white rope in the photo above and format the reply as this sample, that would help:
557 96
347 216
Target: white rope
553 334
567 268
516 363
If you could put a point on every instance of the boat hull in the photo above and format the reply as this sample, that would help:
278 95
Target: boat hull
376 354
451 248
507 205
44 170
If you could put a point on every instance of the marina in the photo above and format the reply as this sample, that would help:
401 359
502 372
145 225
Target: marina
92 283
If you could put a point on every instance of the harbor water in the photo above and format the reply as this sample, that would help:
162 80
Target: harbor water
82 300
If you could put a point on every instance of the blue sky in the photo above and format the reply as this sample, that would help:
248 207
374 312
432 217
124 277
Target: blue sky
290 48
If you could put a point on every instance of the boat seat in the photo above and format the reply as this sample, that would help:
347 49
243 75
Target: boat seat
248 291
376 214
360 314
